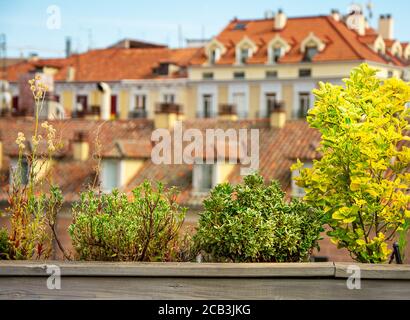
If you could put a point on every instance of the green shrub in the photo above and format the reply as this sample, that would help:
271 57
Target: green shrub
4 244
117 228
252 222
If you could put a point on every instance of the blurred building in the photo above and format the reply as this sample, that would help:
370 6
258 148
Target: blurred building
250 68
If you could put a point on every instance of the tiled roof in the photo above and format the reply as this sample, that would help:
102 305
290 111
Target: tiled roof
112 64
132 138
342 44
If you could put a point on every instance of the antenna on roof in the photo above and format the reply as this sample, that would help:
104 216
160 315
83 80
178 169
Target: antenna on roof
369 7
180 36
90 39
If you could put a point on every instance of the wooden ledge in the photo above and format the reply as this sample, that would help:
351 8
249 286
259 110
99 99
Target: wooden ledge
169 269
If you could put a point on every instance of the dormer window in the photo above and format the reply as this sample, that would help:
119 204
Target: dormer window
110 175
397 49
215 54
244 55
203 177
310 53
244 50
214 51
311 46
277 48
277 54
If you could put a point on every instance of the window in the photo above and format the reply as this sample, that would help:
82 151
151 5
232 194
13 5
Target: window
270 102
140 106
239 101
140 102
240 26
390 74
305 73
15 103
271 74
239 75
277 53
208 75
244 55
304 104
19 173
207 105
82 102
110 175
203 177
215 55
310 53
168 98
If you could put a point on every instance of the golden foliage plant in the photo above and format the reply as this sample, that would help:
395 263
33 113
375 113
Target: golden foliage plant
362 180
33 202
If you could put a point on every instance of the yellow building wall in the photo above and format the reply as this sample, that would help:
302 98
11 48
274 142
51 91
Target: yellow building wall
222 94
287 96
258 72
67 100
153 99
124 100
95 98
191 103
224 170
130 169
254 101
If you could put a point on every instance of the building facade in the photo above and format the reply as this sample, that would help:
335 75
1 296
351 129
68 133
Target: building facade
248 69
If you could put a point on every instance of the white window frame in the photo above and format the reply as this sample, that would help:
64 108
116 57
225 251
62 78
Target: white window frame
238 89
119 168
207 90
269 87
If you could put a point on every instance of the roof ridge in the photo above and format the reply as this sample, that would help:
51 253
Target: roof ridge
332 23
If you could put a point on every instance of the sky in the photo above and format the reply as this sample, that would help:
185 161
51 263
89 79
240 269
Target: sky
33 25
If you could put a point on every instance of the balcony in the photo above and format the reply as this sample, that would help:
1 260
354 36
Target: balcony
165 107
138 113
93 112
227 109
277 106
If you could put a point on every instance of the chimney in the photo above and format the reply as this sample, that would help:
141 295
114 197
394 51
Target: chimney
356 20
67 47
278 116
166 114
105 109
335 14
386 26
280 20
227 112
81 147
70 74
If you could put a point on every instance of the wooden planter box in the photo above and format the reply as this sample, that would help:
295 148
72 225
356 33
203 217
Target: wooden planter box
103 280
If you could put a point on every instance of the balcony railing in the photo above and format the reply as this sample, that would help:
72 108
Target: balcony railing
277 106
227 109
164 107
92 111
138 113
